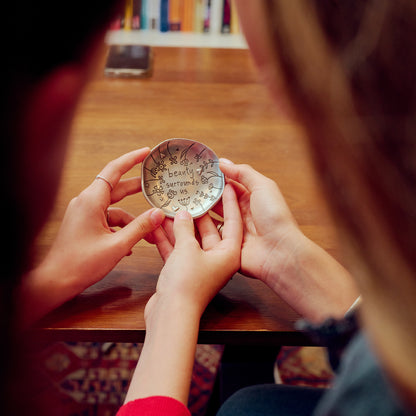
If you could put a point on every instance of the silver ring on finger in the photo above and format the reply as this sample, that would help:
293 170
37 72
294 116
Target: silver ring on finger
105 180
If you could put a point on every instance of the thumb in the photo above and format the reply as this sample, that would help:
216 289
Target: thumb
140 227
183 228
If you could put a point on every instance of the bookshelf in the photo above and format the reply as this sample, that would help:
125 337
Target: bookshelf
177 39
180 23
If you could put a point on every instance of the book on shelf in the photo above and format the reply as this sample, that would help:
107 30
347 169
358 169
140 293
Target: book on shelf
128 15
175 14
213 16
164 16
135 18
153 14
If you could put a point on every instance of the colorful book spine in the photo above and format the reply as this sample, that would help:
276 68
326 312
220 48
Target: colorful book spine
135 20
164 15
175 15
235 23
215 16
199 15
153 14
128 15
143 14
116 24
226 17
188 11
207 15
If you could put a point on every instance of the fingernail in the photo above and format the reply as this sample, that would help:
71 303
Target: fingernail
157 217
226 161
183 215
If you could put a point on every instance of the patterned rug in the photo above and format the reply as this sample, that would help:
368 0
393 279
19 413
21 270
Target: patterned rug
304 366
91 379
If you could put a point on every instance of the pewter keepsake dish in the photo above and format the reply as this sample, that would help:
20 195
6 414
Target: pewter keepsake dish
182 174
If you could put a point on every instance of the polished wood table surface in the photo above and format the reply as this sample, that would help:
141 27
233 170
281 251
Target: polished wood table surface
214 96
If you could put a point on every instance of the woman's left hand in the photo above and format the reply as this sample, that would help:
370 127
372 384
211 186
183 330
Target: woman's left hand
87 246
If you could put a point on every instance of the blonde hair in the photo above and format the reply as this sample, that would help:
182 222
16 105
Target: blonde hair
349 70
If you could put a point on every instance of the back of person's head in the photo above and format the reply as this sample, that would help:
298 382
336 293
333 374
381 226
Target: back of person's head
38 37
349 70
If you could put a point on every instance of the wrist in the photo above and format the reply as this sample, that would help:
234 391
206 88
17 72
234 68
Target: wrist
285 258
42 290
311 281
170 307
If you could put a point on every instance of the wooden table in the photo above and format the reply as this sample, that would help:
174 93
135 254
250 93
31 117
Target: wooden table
213 96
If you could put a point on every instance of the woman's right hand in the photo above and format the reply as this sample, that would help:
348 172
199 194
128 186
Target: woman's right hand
270 230
275 250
